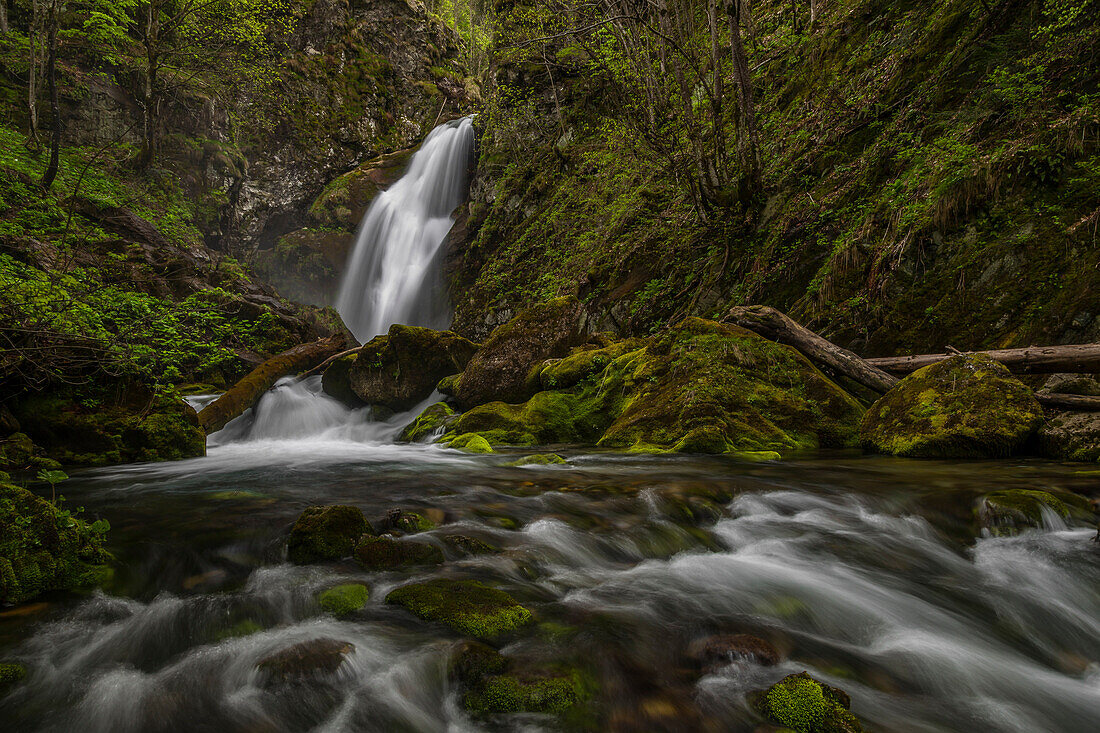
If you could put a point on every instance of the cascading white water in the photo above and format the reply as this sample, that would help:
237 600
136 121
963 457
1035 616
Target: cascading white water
394 273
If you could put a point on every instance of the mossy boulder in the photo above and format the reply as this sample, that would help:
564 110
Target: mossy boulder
336 380
18 452
500 370
1070 436
539 459
803 704
11 674
582 363
43 548
1005 512
387 553
344 201
967 406
466 606
534 693
326 533
427 423
344 599
305 661
402 368
406 522
470 443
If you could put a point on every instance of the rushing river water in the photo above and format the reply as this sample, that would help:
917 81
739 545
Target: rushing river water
867 572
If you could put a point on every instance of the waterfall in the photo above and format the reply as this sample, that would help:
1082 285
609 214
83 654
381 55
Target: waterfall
394 273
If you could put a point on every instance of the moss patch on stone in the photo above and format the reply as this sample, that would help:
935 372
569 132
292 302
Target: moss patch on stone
803 704
43 548
326 533
466 606
470 443
344 599
538 459
11 674
967 406
387 553
427 423
506 693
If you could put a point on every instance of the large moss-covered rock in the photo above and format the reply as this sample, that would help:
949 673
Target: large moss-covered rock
427 423
699 387
501 368
805 705
402 368
18 452
1006 512
326 533
336 380
466 606
43 549
967 406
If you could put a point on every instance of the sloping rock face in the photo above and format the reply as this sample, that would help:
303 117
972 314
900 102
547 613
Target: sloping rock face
968 406
699 387
402 368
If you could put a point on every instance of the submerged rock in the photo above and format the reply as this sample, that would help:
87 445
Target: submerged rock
967 406
402 368
387 553
326 533
538 459
500 369
44 549
427 423
466 606
467 546
304 661
803 704
720 650
344 599
1004 512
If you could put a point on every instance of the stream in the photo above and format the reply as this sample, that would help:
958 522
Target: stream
865 571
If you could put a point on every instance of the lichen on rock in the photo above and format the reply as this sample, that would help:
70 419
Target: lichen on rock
967 406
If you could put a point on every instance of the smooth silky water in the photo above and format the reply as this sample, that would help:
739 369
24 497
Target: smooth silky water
870 573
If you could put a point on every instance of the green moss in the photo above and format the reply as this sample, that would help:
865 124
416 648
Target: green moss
1003 512
540 694
427 423
387 553
961 407
807 706
44 548
466 606
326 533
538 459
344 599
246 627
470 443
11 674
410 522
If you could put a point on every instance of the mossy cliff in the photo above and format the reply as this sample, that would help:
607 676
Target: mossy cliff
44 548
930 176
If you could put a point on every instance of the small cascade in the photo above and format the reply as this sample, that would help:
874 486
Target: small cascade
394 274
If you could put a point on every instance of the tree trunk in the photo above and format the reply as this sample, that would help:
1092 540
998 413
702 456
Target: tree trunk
55 106
775 325
748 137
149 96
34 38
1076 359
4 17
246 392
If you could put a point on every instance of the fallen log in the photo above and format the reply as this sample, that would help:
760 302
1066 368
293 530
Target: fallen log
1070 402
1074 359
777 326
321 367
244 393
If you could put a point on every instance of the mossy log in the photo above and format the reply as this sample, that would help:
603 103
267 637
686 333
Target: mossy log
244 393
777 326
1073 359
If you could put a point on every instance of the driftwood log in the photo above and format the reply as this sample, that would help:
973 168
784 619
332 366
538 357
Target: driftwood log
777 326
1072 359
244 393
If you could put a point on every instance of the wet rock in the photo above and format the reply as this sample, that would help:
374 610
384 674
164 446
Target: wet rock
43 549
968 406
720 650
305 661
342 600
387 553
472 662
1070 436
470 443
305 265
326 533
468 546
1075 384
402 368
466 606
427 423
500 369
1005 512
407 522
336 381
803 704
538 459
11 674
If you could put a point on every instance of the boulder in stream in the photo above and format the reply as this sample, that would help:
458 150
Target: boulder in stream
967 406
344 599
716 651
301 662
433 418
1006 512
803 704
387 553
402 368
326 533
467 606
